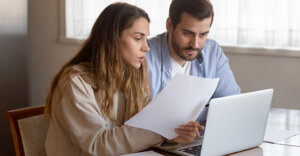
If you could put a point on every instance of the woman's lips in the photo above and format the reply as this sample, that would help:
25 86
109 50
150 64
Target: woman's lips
141 59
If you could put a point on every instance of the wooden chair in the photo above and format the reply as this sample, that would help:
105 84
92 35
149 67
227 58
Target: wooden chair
29 129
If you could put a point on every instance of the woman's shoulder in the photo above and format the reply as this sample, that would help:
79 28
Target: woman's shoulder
78 73
77 69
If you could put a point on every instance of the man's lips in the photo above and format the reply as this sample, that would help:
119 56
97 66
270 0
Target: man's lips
191 52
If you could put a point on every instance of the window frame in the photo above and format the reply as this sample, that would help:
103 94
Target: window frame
261 51
62 37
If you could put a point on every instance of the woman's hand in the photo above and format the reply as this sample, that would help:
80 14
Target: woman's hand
187 133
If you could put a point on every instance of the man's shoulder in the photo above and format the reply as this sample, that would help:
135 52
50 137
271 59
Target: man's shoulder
158 37
211 43
212 47
156 45
156 41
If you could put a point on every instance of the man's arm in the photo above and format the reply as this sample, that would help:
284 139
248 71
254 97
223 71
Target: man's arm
227 85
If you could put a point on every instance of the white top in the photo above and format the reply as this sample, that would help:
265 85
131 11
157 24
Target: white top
77 127
178 69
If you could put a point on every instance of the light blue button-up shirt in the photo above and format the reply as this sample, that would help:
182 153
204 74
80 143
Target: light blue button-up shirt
214 64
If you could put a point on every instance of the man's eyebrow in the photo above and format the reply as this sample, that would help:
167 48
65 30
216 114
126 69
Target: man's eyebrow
186 30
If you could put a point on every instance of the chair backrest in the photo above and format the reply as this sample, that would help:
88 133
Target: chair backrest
29 128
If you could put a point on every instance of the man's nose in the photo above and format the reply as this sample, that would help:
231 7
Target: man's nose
195 42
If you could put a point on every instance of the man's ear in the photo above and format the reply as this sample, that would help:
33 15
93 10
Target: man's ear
169 25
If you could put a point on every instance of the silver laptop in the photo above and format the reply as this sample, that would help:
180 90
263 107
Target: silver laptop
234 123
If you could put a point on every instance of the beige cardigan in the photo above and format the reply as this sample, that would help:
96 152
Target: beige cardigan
77 127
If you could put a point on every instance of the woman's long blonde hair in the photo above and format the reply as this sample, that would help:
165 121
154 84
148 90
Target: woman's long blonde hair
106 71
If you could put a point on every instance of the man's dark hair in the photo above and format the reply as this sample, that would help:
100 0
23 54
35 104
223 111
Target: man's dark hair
199 9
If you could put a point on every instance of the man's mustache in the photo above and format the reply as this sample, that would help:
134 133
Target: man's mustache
191 48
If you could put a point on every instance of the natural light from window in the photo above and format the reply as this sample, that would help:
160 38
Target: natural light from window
246 23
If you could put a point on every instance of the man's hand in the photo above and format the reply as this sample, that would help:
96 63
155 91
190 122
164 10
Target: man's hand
187 132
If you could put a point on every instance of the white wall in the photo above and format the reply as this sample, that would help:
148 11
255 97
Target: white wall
46 55
252 72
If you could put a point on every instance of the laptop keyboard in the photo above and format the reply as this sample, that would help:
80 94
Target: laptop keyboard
195 150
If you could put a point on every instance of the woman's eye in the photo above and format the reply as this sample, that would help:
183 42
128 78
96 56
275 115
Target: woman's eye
137 39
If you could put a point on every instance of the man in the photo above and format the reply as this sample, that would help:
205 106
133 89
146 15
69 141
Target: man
185 49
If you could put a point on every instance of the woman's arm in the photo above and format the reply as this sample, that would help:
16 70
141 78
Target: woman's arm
79 115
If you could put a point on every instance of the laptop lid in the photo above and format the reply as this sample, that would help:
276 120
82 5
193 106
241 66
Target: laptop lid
236 123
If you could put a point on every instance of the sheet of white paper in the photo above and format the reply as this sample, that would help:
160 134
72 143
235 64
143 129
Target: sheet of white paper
277 135
147 153
292 141
180 101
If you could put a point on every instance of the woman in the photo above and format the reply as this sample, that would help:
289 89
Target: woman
104 85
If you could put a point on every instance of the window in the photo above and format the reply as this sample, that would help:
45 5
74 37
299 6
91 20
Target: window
257 23
81 15
251 23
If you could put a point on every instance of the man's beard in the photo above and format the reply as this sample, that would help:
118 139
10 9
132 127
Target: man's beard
178 51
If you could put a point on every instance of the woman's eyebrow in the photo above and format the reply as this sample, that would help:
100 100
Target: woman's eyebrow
143 34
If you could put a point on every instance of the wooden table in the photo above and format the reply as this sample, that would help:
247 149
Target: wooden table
286 119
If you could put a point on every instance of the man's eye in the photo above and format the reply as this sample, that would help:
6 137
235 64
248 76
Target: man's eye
203 34
187 33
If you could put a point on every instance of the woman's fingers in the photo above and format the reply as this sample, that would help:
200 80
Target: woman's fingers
183 140
188 132
185 133
196 123
201 128
189 129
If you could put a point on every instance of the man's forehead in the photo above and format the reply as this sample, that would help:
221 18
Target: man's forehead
187 18
193 24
